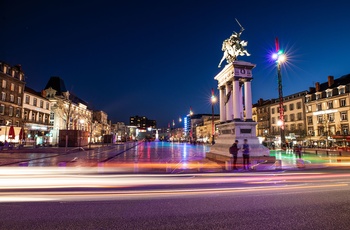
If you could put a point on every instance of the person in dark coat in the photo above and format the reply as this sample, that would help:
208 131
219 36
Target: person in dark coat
234 151
245 154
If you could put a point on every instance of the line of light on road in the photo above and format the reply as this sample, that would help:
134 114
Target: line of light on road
84 178
154 194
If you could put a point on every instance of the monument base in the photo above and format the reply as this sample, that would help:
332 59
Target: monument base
238 130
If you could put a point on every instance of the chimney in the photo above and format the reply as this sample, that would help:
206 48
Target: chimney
317 86
19 67
330 81
43 93
312 89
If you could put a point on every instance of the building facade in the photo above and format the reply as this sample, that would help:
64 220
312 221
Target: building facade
102 125
142 122
120 130
36 118
327 113
294 117
68 112
12 82
263 118
204 131
203 124
318 117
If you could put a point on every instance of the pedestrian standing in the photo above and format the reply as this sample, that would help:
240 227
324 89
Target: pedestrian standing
297 150
234 151
245 148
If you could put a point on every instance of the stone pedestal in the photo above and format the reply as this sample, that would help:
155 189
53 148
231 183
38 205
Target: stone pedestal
238 130
234 80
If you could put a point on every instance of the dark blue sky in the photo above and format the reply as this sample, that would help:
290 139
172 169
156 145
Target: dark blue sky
158 58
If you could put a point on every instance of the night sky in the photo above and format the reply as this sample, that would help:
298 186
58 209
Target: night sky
158 58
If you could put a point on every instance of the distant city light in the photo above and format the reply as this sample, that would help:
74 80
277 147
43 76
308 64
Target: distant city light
185 124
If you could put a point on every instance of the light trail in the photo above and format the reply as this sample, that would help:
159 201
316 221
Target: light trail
42 178
150 194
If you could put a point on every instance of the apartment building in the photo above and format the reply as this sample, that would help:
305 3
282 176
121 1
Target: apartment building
12 82
36 117
327 112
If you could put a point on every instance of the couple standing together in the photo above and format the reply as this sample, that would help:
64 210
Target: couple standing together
234 151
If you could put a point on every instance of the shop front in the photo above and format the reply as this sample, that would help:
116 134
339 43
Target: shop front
37 135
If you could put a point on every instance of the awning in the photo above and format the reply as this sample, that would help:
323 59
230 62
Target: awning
21 134
11 133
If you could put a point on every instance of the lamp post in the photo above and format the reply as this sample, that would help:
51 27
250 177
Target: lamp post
213 101
81 121
191 113
6 124
280 58
91 131
279 124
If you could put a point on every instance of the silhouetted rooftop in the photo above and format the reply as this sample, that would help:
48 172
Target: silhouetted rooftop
57 84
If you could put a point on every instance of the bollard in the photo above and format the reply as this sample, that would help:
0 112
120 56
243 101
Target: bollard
228 165
278 164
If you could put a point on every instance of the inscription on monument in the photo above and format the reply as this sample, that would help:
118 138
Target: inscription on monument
242 72
246 130
226 131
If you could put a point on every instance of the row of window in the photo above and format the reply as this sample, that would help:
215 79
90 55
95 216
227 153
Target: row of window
328 117
36 117
328 105
291 107
329 131
35 102
292 127
8 122
11 111
12 86
327 93
11 72
11 99
291 117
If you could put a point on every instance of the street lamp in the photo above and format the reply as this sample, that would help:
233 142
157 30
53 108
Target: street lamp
6 124
213 101
280 58
82 122
191 113
279 124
